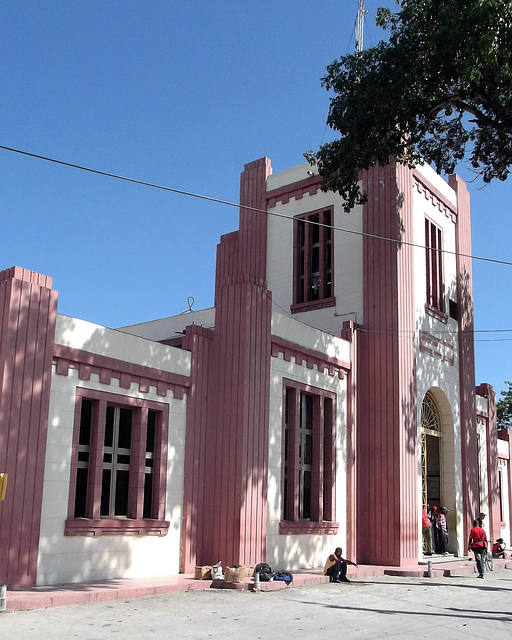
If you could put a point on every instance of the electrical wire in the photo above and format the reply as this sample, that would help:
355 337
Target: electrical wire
273 213
249 208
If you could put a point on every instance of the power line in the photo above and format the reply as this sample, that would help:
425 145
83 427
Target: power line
415 334
249 208
238 205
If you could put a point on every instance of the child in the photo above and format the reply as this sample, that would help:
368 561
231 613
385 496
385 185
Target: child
498 549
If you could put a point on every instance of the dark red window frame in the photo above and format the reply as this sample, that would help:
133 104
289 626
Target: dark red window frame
434 267
313 268
308 460
144 514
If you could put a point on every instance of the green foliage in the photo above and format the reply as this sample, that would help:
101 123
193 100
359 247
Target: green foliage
440 90
504 408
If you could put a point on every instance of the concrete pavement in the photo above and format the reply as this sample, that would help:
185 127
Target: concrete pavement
384 606
107 590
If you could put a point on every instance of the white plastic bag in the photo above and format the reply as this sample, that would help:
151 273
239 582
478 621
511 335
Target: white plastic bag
217 573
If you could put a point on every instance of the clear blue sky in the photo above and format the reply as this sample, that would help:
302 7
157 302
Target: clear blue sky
180 94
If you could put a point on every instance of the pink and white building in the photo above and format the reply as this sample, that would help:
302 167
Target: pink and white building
325 397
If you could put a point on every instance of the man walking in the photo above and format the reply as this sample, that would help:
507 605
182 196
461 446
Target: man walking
478 544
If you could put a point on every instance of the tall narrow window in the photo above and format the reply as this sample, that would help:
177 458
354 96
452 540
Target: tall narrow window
308 457
434 266
116 462
500 494
313 262
305 462
148 465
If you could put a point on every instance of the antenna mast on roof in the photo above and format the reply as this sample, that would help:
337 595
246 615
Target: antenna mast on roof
359 27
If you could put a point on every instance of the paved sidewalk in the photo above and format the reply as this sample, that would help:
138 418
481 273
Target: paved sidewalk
108 590
380 607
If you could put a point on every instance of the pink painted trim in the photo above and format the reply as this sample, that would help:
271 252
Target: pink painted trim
295 190
434 341
115 527
66 358
310 358
431 192
435 313
312 305
26 275
307 527
252 238
428 339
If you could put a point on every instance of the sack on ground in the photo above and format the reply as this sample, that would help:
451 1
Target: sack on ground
203 572
285 576
237 574
265 571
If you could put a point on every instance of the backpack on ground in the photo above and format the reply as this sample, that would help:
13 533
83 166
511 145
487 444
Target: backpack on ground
265 571
285 576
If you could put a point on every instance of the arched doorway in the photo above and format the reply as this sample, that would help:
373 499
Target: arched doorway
431 451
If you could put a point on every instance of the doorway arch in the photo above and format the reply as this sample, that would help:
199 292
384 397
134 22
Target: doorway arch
440 456
431 450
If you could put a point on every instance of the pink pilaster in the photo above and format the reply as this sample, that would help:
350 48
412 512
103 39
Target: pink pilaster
387 448
195 534
492 489
28 308
469 443
239 423
350 332
225 501
253 224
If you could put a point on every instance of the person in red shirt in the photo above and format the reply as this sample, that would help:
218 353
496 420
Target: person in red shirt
426 529
478 544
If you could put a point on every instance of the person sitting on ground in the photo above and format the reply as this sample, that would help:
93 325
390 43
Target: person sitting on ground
336 566
498 549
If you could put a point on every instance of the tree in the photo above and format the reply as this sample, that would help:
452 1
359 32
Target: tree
439 90
504 408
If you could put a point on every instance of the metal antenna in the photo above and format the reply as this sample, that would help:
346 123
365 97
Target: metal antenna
359 27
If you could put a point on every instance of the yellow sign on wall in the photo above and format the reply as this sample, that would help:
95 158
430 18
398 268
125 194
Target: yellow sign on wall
3 485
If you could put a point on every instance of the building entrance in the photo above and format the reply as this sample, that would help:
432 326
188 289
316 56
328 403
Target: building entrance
431 451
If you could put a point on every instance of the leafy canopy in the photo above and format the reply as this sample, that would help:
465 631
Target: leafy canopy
504 408
439 90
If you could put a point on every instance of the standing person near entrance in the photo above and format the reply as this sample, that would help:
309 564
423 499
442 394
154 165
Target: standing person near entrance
426 529
478 544
481 519
435 530
336 566
442 528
